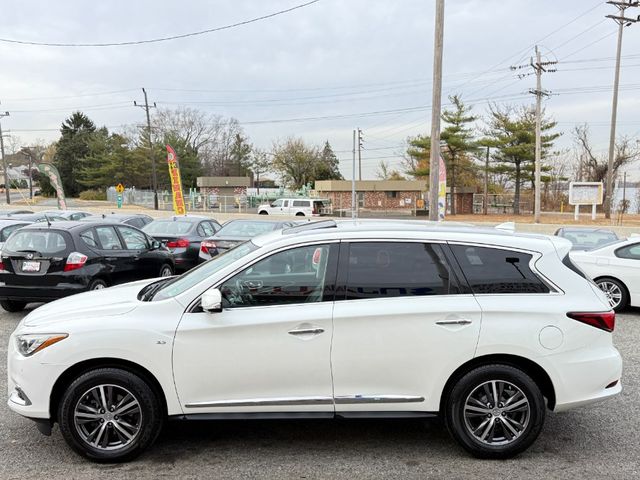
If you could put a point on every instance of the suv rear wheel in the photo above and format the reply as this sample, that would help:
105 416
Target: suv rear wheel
97 284
495 411
109 414
13 305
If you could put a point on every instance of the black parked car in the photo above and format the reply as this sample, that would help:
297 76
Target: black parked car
137 220
42 263
235 232
183 234
7 227
34 217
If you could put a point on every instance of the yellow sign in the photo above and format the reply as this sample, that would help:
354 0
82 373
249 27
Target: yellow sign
179 206
120 188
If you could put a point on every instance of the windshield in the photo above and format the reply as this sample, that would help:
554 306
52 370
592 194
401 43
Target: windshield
244 228
170 227
184 282
585 240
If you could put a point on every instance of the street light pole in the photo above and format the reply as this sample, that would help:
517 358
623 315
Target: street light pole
4 161
436 103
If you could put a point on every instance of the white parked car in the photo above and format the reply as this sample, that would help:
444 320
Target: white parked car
615 268
486 329
300 207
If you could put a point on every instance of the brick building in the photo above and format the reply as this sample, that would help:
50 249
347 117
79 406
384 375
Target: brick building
373 194
223 186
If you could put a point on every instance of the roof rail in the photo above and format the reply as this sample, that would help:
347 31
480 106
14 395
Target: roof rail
310 226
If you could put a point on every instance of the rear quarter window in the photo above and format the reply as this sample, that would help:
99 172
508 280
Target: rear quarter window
493 270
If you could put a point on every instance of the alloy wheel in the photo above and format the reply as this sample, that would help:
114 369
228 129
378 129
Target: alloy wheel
496 412
166 271
612 292
107 417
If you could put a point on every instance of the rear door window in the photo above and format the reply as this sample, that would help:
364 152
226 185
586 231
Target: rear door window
88 237
493 270
45 242
397 269
109 239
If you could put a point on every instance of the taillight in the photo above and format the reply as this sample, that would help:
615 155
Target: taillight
603 320
180 243
207 245
2 266
75 261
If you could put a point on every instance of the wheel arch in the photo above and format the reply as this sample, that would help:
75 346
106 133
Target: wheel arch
531 368
71 373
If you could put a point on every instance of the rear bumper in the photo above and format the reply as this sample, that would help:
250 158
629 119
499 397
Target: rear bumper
40 293
186 260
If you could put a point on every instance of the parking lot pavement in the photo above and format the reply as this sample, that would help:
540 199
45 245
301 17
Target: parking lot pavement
600 441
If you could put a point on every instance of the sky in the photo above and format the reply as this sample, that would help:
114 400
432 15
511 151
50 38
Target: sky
316 72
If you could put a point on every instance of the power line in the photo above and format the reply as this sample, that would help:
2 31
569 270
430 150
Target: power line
161 39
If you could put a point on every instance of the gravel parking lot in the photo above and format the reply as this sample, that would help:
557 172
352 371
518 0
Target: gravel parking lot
598 441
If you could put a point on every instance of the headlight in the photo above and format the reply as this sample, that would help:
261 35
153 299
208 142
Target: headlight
30 343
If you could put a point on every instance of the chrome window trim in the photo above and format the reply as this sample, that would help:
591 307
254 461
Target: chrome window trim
263 402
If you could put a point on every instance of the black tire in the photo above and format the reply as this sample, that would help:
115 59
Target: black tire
299 214
12 305
612 287
496 420
263 212
166 270
97 284
148 424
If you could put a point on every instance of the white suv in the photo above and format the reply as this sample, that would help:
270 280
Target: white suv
300 207
486 329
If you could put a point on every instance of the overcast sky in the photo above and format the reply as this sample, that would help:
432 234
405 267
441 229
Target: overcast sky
349 60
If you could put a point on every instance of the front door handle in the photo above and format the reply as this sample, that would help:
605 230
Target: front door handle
306 331
459 321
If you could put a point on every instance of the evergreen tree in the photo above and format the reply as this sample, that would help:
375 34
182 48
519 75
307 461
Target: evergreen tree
328 167
512 134
72 149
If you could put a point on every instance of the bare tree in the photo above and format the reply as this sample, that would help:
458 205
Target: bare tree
593 166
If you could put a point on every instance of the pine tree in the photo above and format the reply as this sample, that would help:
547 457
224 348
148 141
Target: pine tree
73 147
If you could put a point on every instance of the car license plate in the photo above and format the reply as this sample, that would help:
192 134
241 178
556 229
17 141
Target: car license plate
30 266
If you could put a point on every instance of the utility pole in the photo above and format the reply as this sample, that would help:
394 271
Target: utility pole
353 180
146 107
27 151
360 147
622 22
436 105
485 197
539 67
4 161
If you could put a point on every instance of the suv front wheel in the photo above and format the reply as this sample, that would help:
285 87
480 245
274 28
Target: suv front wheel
495 411
110 415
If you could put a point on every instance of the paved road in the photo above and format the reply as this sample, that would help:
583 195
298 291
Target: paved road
601 441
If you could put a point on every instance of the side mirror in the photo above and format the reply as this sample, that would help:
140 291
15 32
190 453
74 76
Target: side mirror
155 244
211 301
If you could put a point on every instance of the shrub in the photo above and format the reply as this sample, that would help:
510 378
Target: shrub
93 195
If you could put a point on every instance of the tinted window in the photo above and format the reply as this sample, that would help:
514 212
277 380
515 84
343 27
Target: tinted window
44 242
136 222
297 275
133 239
205 229
386 269
300 203
630 251
491 270
89 238
108 238
168 227
9 230
246 228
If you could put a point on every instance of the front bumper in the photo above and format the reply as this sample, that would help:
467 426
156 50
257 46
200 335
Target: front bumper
30 383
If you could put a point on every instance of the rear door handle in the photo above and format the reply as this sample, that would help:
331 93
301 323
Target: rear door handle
306 331
459 321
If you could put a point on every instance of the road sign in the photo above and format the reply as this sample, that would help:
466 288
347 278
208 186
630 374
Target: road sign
119 200
120 188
